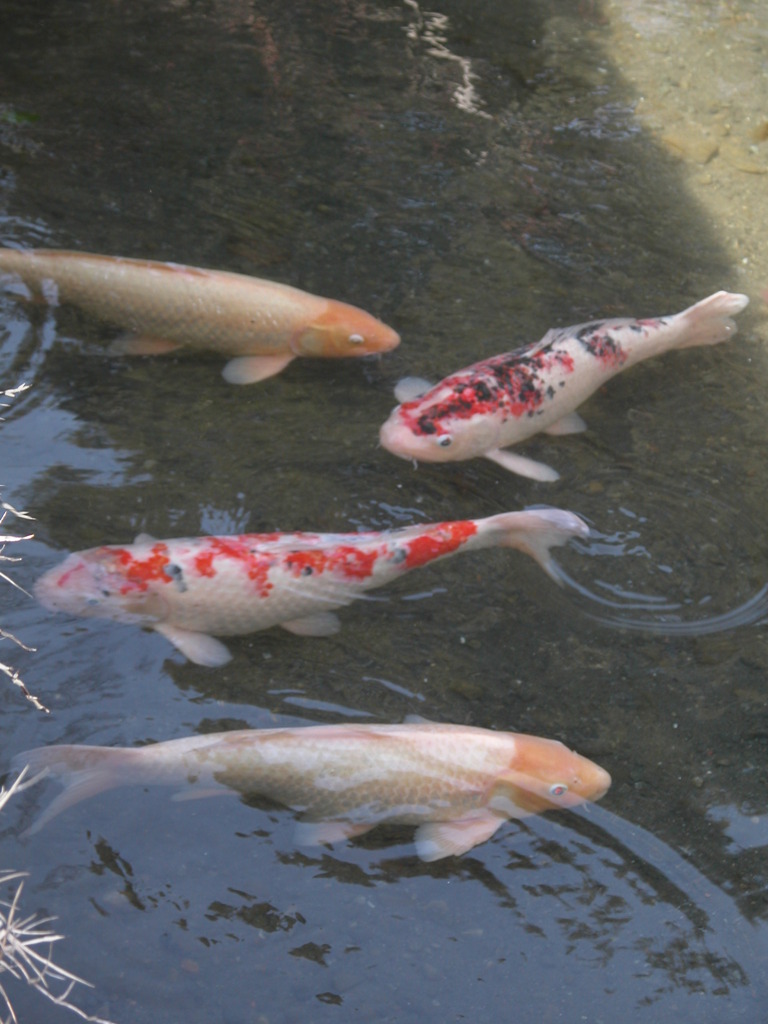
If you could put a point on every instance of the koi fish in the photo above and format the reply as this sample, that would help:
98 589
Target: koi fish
456 783
192 589
507 398
261 324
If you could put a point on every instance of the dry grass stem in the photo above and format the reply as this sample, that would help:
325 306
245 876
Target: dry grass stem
8 538
26 943
16 679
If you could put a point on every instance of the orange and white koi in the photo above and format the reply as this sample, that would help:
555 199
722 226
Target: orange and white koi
500 401
192 589
261 325
456 783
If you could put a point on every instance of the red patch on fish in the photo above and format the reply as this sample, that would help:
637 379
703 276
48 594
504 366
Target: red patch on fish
65 580
441 539
350 561
242 550
140 572
514 384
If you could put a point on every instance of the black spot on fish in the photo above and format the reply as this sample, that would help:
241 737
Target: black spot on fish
514 384
601 344
588 329
176 573
426 422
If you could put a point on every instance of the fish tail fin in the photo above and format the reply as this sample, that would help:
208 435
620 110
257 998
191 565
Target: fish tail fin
535 531
709 322
85 771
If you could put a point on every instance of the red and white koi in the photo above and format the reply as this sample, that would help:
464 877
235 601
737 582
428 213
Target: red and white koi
507 398
456 783
192 589
261 325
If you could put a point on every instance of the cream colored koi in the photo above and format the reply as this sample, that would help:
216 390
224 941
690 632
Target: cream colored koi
457 784
261 325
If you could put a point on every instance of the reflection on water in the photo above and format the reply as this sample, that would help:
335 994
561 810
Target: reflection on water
674 609
473 174
431 28
619 916
745 831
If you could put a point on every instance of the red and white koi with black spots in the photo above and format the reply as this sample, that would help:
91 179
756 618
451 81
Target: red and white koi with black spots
192 589
503 400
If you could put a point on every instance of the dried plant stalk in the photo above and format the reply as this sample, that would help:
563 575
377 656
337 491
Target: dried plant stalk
5 539
26 943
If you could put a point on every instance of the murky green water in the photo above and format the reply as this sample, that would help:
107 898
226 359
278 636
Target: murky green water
473 175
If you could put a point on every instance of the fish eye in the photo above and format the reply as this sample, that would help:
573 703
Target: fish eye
445 441
558 789
356 339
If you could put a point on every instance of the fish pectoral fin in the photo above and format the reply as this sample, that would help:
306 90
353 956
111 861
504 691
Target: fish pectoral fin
142 345
319 624
572 423
316 833
251 369
410 388
436 839
200 648
522 466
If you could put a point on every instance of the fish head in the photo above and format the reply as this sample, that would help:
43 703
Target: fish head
95 583
439 427
543 775
344 330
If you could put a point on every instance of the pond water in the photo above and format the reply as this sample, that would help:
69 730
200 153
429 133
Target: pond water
472 173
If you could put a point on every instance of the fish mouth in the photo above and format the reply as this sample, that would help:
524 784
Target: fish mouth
380 340
602 788
45 590
398 440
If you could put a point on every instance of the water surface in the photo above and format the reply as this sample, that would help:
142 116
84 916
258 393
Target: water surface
473 175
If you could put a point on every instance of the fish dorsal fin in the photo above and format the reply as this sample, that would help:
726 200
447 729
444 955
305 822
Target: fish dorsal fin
522 466
252 369
437 839
144 538
553 335
411 388
200 648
